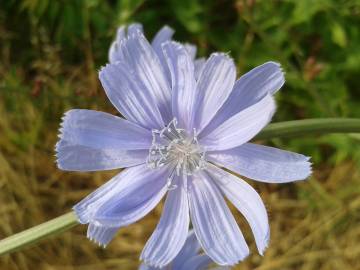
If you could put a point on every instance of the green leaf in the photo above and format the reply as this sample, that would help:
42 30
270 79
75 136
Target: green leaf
338 35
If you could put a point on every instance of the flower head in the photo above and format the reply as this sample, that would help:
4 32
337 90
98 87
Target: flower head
185 120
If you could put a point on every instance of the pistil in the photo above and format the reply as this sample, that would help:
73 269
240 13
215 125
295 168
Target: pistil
173 146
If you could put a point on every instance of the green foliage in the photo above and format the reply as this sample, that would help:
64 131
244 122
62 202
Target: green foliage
317 42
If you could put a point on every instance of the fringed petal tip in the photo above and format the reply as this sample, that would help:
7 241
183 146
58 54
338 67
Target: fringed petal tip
101 235
60 136
136 34
309 165
61 142
264 243
273 73
232 263
174 43
307 168
152 264
219 55
277 77
178 45
168 28
117 46
61 128
165 33
64 121
276 64
124 33
103 68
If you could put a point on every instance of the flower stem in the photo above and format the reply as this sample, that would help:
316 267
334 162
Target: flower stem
277 130
310 127
35 234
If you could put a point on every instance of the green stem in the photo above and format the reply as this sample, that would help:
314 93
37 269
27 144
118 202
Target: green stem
35 234
276 130
310 127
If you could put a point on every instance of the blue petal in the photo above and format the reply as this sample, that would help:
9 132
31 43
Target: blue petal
199 65
190 249
143 266
130 97
121 34
92 140
214 225
248 90
135 28
163 35
263 163
72 157
191 49
183 83
247 201
141 189
199 262
213 88
164 244
101 130
142 61
241 127
124 199
114 47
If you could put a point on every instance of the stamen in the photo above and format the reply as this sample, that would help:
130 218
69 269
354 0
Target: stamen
172 145
170 180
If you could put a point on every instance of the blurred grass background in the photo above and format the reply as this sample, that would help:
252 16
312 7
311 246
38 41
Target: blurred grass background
50 52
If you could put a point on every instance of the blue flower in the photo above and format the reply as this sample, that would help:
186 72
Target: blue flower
164 34
183 125
188 258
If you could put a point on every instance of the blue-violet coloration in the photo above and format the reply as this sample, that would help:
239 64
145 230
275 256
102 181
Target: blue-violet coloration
185 119
189 258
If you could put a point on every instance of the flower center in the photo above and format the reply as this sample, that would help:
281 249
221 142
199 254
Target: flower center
173 146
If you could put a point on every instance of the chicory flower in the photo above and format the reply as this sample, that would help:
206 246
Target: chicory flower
182 126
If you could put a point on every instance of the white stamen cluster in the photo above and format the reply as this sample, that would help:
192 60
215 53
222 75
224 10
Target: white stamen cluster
173 146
